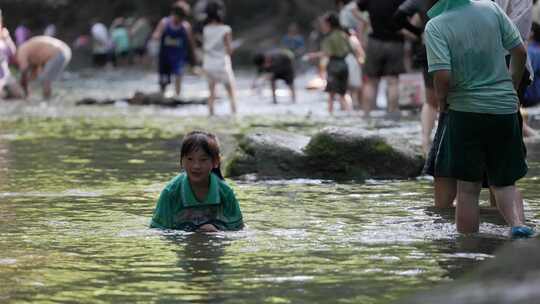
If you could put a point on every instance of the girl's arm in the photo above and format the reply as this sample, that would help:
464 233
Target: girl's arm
158 31
315 55
227 39
191 40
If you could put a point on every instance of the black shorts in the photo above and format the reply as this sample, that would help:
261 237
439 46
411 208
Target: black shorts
337 76
285 74
384 58
437 149
475 144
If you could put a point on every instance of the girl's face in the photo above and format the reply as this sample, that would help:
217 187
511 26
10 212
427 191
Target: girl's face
198 166
325 27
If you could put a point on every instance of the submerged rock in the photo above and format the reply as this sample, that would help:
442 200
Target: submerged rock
333 153
512 277
140 99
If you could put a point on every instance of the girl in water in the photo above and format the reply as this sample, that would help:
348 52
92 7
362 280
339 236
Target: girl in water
198 199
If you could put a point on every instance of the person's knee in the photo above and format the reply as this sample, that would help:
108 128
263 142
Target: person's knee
472 188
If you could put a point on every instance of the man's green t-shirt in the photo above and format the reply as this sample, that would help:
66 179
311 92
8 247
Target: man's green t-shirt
178 207
471 39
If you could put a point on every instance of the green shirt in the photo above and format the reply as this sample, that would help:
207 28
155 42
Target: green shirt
471 39
120 37
336 44
178 208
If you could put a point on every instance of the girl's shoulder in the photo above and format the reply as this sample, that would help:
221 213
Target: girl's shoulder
173 186
225 189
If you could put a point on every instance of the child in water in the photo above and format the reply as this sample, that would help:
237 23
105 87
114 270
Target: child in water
176 46
217 46
198 199
336 47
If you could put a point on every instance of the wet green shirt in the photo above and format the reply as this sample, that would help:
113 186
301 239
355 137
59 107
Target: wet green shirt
336 44
471 39
178 207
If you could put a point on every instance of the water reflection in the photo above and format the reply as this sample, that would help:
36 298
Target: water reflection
466 252
199 255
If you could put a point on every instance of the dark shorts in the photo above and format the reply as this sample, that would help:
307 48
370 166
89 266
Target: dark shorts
169 67
282 67
436 150
477 144
384 58
139 51
100 60
337 76
285 74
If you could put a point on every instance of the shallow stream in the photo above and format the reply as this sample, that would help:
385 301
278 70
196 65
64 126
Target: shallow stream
78 186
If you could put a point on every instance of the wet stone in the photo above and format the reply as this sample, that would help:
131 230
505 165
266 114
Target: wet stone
333 153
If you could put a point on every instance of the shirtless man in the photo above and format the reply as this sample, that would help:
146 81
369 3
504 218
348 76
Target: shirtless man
44 58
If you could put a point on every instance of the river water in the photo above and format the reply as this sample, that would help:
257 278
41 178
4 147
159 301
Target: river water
78 186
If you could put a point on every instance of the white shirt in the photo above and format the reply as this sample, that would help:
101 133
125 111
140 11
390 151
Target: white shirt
521 13
215 54
347 19
100 35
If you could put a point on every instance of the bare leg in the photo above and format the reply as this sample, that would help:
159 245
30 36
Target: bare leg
467 209
212 97
428 117
231 91
344 103
47 89
492 199
331 102
178 84
528 131
445 192
293 92
393 94
369 94
15 90
506 200
273 84
356 95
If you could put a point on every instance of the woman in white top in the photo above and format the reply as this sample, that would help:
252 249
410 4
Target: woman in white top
217 41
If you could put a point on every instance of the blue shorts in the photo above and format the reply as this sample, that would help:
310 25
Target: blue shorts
169 67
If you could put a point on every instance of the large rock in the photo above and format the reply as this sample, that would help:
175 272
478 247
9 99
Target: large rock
333 153
512 277
274 154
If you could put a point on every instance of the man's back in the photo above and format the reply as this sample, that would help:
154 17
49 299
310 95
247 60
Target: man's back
471 40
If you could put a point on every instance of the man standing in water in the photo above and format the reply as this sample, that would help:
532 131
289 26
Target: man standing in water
384 54
44 58
466 43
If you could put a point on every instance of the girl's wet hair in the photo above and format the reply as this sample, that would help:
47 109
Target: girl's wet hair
214 12
200 140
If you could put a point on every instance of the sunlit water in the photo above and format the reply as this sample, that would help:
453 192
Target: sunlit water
77 191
